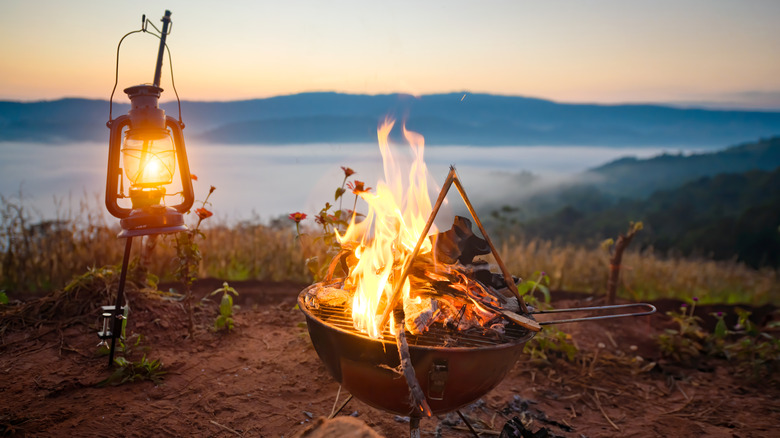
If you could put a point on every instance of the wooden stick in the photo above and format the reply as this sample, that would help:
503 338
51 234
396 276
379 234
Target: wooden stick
510 283
424 235
521 320
336 411
598 405
225 428
415 392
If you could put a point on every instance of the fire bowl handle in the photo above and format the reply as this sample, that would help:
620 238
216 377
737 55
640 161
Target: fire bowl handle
651 309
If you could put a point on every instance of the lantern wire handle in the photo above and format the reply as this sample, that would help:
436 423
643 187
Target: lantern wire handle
145 22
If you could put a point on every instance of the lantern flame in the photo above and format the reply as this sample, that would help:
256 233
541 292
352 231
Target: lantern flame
385 239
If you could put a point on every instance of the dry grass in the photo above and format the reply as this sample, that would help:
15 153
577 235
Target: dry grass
39 256
644 275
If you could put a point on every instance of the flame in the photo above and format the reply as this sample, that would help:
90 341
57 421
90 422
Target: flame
397 214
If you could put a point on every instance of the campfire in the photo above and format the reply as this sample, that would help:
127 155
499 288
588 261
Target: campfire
403 298
386 259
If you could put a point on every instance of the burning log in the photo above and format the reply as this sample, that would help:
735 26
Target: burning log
446 286
327 294
459 243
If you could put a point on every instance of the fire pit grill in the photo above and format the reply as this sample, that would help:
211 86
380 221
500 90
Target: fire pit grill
428 366
454 368
437 335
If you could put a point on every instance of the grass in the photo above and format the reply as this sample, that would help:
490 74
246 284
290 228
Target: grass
644 275
38 256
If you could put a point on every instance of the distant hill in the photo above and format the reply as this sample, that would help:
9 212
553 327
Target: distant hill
723 216
444 119
632 177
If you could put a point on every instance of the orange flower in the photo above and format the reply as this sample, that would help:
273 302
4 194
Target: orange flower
203 213
347 171
194 177
297 217
358 187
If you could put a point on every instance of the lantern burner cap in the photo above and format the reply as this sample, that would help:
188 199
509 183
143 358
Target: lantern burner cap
154 219
143 90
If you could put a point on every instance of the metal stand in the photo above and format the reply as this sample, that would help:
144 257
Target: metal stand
414 426
468 424
118 314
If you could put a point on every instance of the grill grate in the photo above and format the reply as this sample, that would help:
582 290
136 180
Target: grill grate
437 335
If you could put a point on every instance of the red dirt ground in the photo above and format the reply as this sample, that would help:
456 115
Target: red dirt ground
264 379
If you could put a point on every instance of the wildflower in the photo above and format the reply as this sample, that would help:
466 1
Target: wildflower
203 213
297 217
695 299
194 177
358 187
347 171
719 314
320 219
211 189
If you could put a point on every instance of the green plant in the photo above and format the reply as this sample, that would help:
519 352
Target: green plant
188 256
687 342
225 318
755 352
528 287
551 341
330 222
127 371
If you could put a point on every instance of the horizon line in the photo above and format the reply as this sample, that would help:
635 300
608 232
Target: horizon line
703 104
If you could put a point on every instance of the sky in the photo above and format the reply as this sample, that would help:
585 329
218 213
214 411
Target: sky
702 52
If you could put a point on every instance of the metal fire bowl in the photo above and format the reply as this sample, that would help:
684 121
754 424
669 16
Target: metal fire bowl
450 377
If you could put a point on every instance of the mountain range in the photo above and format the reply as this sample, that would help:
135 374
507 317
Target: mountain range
444 119
723 204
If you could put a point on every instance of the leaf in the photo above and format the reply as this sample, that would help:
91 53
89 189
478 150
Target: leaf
3 298
545 291
339 192
720 329
226 306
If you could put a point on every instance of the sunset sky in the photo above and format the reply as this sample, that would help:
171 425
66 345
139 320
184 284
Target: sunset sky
725 52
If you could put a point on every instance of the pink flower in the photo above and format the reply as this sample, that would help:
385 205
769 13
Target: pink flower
297 217
203 213
357 187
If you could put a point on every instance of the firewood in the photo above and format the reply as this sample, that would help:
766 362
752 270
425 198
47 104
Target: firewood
415 391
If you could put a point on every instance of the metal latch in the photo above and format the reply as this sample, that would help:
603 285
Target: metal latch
437 378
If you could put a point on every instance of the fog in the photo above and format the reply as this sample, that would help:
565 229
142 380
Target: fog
264 182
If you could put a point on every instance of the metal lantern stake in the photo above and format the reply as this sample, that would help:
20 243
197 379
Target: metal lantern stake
152 146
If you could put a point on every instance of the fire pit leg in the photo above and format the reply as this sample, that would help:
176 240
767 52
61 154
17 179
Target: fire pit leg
414 427
465 420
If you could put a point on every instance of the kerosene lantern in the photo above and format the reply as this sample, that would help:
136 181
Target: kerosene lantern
145 147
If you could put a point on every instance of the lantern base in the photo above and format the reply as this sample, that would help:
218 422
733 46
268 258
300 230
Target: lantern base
155 219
